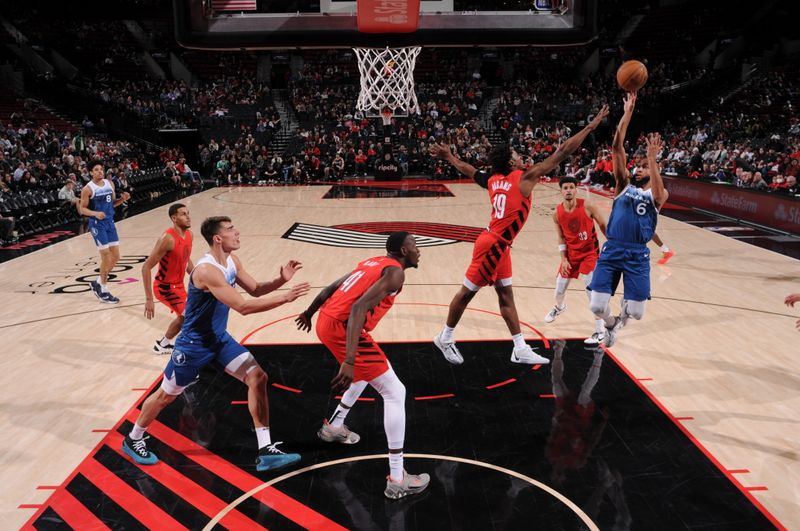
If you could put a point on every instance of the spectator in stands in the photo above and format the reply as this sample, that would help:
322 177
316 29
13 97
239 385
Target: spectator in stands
67 193
171 173
7 230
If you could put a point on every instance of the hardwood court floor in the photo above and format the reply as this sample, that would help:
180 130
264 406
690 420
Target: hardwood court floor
716 348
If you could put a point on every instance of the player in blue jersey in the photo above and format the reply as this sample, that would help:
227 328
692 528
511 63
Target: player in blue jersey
204 340
631 225
98 199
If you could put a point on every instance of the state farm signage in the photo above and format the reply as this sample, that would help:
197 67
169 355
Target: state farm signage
772 210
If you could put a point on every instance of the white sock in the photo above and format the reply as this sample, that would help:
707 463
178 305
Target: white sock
396 466
664 248
263 437
137 432
169 340
599 326
519 340
447 334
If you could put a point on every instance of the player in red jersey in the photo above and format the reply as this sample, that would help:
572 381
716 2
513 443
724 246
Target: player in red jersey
577 242
349 309
172 253
510 191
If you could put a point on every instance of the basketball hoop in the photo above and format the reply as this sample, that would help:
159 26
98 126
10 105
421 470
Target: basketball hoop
387 81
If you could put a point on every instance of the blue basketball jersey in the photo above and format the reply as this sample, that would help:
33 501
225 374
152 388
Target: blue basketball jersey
102 200
205 317
633 216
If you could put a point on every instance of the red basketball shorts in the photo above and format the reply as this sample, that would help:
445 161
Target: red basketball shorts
370 363
581 265
491 261
171 295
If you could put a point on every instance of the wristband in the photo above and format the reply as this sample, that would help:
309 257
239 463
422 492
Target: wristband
348 363
562 247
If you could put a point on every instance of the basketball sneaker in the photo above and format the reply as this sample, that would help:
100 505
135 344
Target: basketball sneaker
555 312
595 339
611 333
665 257
527 355
411 484
163 348
137 450
341 434
449 350
97 289
272 458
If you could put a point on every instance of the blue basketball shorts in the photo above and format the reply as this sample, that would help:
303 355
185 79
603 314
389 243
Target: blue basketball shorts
189 357
104 234
631 262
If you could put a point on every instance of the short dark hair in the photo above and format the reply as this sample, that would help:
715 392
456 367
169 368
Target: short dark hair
210 227
500 159
567 180
95 162
173 209
395 241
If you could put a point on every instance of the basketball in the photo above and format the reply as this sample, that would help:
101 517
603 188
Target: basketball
631 76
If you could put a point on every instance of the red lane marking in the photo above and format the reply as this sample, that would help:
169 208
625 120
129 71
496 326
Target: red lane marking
684 418
188 490
254 332
270 496
100 431
434 397
645 379
697 443
47 487
73 512
755 488
501 384
139 388
90 457
238 402
739 471
359 399
146 512
30 506
547 396
536 367
286 388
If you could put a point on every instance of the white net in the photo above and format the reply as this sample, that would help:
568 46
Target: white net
387 80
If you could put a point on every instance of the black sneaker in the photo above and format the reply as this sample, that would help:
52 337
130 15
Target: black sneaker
97 289
163 348
272 458
108 298
137 449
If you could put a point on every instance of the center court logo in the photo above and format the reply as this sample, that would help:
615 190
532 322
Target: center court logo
372 235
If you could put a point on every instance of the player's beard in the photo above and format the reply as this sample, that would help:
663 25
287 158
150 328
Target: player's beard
640 183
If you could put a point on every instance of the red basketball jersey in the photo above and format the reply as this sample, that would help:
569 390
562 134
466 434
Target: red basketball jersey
172 266
509 209
360 280
579 230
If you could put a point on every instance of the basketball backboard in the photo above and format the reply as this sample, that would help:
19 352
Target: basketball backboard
262 24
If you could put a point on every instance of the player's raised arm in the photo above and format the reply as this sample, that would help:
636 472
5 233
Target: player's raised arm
531 176
257 289
442 151
618 156
596 215
654 148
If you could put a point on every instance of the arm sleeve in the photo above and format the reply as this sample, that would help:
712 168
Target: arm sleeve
481 178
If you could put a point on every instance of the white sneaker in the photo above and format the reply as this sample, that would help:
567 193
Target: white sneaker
411 484
527 355
595 340
555 312
160 348
611 333
341 434
449 350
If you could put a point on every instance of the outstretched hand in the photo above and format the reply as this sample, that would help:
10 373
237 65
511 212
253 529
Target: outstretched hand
600 117
303 322
439 151
654 144
629 102
344 378
288 270
297 291
791 299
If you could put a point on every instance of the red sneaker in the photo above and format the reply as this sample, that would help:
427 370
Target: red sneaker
665 257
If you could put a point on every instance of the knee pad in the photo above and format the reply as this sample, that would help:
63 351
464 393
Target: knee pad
561 285
633 309
242 365
598 303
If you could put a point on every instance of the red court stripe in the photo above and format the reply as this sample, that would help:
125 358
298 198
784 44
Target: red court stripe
286 388
755 488
739 471
138 388
74 513
188 490
684 418
270 496
536 367
142 509
238 402
47 487
547 396
434 397
359 399
645 379
100 431
501 384
30 506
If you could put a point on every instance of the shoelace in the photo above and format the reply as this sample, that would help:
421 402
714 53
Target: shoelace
140 447
272 448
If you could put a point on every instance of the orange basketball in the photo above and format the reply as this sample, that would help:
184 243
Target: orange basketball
631 76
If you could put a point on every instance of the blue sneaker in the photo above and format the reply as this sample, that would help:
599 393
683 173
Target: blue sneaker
271 458
137 450
109 298
97 289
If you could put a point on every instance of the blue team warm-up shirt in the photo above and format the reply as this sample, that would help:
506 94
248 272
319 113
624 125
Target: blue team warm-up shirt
625 255
103 231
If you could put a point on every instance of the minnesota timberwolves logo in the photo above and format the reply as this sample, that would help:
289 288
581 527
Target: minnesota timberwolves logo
373 235
178 357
